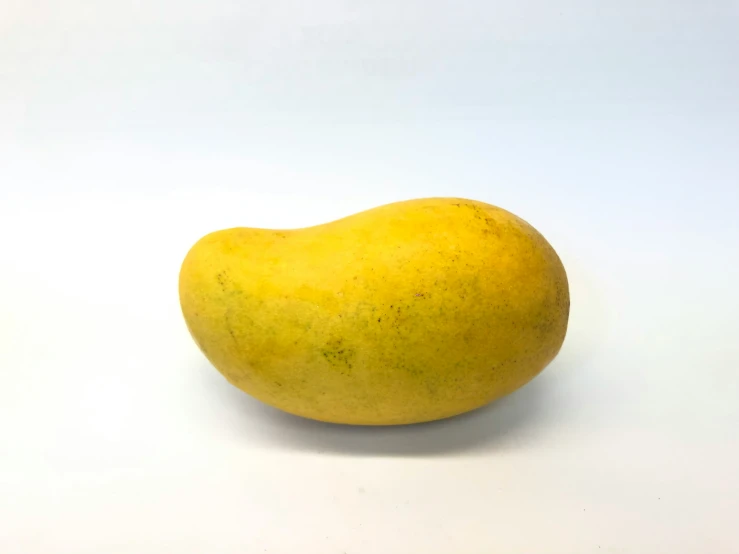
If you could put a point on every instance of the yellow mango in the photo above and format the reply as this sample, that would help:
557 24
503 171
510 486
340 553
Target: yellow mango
409 312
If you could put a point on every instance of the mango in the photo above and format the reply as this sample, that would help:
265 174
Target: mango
409 312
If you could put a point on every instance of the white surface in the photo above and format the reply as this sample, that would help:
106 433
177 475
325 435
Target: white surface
128 130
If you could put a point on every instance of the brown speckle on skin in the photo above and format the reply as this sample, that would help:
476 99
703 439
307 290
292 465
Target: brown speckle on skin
221 278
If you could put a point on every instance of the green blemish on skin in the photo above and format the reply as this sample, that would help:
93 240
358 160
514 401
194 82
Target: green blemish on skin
338 358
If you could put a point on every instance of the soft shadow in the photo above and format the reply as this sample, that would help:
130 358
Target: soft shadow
552 400
515 419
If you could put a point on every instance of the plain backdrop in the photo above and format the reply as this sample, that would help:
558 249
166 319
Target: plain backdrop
129 129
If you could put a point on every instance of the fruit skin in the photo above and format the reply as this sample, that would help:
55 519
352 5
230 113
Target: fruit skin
409 312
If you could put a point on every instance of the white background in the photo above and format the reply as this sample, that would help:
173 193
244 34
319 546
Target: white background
129 129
